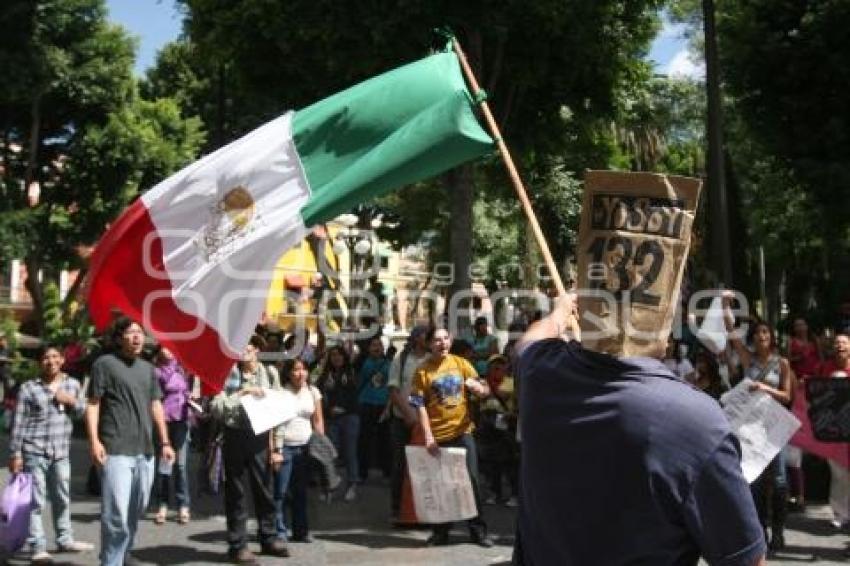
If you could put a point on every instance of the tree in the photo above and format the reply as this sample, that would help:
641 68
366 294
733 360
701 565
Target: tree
787 125
535 59
74 127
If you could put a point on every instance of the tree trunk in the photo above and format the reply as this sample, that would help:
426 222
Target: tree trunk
221 107
461 194
73 290
34 142
33 286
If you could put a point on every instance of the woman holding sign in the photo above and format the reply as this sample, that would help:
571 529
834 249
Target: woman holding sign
291 460
770 373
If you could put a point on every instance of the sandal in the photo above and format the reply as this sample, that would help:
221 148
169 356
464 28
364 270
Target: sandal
160 516
184 516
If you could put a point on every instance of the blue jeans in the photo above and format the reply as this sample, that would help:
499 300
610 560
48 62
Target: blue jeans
127 482
178 435
344 432
293 475
50 480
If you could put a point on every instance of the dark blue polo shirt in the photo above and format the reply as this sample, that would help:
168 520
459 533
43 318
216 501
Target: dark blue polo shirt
624 464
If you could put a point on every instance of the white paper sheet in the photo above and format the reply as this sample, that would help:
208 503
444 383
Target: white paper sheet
268 411
712 332
762 426
441 488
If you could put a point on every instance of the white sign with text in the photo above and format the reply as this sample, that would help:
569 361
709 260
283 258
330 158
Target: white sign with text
762 426
442 491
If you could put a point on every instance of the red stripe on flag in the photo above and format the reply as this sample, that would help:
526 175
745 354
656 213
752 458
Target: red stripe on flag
119 278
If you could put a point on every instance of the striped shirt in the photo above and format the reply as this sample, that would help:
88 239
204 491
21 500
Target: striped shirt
43 427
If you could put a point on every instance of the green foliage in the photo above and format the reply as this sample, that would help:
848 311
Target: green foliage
9 329
552 70
786 127
661 126
497 237
74 123
785 63
54 330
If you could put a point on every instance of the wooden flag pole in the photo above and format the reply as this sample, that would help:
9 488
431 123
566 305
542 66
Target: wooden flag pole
512 171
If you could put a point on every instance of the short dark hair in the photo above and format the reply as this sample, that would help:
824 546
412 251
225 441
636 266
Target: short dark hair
45 347
258 342
432 331
289 365
119 327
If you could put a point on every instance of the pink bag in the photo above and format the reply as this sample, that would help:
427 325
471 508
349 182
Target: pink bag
15 508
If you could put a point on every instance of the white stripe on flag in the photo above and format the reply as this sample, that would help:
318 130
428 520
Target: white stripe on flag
225 221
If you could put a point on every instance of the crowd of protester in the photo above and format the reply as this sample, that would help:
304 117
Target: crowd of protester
370 401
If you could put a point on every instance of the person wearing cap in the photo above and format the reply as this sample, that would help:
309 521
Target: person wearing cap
404 416
495 432
440 389
247 454
623 462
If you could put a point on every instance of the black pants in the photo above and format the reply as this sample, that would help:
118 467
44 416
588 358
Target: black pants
374 438
498 455
771 490
477 526
245 453
400 434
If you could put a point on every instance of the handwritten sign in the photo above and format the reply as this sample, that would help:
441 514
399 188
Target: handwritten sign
273 408
442 491
761 425
829 408
634 237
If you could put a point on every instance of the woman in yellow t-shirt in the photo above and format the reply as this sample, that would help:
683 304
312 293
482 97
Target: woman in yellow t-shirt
440 388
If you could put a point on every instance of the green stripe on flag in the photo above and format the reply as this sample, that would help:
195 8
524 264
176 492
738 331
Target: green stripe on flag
395 129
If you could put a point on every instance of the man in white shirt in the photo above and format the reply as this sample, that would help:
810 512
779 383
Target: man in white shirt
404 417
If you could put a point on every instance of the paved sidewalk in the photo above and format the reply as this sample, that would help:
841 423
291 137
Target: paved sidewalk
358 533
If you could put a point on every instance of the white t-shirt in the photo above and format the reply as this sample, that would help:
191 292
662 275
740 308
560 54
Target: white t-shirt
297 431
402 381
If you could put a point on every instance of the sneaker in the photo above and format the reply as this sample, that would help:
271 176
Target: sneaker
512 502
160 516
241 556
76 546
41 557
351 493
438 539
491 500
306 539
478 535
483 542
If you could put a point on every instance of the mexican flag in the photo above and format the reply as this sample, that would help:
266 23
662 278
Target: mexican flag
192 259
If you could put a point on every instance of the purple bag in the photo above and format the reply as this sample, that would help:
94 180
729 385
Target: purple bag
15 508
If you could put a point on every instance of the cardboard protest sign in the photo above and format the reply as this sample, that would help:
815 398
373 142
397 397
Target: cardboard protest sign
634 237
442 490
